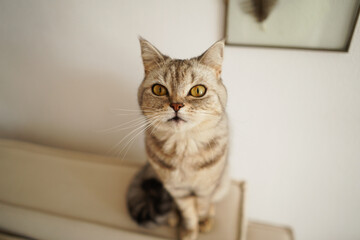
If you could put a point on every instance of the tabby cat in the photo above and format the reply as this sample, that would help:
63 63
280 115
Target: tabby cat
186 141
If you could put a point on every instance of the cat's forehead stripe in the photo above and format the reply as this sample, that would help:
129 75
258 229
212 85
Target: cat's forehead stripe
177 70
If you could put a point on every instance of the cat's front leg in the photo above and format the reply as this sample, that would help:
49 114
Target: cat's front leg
206 213
189 228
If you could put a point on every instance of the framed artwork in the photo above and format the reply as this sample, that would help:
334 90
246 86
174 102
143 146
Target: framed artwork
302 24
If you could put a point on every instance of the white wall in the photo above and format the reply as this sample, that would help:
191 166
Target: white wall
295 114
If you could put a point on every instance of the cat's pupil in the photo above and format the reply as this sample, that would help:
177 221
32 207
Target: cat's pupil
197 90
160 90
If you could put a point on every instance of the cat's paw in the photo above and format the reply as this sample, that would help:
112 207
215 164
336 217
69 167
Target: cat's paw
188 234
173 220
206 225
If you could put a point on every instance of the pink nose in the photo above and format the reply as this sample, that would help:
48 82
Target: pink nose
176 106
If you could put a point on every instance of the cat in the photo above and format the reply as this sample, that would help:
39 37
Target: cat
186 140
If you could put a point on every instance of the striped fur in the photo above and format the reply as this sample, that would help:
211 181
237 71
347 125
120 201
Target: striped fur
188 156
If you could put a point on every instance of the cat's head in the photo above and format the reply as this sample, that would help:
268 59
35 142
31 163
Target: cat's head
180 95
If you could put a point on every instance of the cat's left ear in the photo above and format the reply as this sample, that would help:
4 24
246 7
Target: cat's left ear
213 57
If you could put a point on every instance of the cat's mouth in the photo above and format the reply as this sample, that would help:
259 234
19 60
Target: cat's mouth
176 119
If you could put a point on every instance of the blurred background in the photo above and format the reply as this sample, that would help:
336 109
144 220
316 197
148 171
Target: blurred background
66 66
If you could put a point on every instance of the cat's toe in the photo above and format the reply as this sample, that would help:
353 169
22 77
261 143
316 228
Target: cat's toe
173 220
206 225
188 234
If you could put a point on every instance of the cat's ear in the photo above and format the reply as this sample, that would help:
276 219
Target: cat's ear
151 57
213 57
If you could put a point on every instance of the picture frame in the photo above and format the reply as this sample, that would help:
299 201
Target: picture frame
326 25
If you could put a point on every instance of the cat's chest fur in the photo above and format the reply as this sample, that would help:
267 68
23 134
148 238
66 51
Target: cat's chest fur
182 147
183 144
188 158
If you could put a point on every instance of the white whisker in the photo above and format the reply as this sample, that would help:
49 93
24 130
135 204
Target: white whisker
131 141
132 123
127 135
141 125
128 145
133 111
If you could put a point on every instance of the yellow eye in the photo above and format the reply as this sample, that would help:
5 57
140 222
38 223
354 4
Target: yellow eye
198 91
159 90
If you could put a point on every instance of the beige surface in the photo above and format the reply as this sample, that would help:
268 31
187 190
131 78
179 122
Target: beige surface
47 193
46 226
40 185
262 231
6 237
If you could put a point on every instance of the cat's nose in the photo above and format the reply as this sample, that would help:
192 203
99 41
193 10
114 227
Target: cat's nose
176 106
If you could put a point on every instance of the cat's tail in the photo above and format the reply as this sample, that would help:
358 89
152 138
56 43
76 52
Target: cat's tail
148 201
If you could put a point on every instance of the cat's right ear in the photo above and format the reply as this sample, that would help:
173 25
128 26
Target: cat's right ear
151 57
